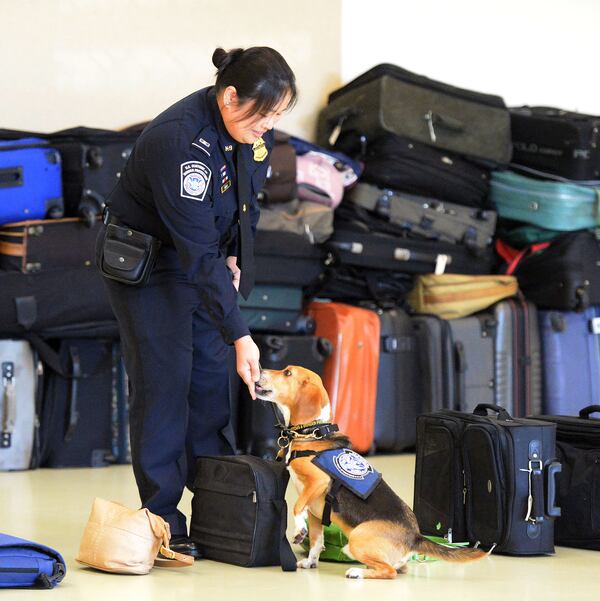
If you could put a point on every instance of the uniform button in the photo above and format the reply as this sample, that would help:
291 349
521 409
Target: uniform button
244 207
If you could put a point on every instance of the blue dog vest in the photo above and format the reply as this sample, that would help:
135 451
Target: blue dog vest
350 469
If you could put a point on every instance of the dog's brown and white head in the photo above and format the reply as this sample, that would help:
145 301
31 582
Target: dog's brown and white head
298 392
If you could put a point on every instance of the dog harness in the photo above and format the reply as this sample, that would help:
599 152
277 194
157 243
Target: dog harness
345 468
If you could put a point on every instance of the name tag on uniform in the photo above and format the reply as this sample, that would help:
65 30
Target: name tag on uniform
352 469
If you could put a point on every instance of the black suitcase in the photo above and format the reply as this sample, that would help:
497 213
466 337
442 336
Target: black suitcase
287 259
84 416
399 384
403 164
355 285
389 98
487 479
50 301
48 245
557 142
257 433
354 243
92 160
578 449
565 276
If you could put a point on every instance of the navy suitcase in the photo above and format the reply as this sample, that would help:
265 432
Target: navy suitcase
30 180
571 360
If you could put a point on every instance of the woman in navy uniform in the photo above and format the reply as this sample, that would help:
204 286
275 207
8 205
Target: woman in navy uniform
192 182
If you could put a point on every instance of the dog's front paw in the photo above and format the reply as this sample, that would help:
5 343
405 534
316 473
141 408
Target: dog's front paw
300 535
306 563
354 573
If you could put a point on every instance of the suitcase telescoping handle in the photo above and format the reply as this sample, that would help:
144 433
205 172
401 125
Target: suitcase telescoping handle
587 411
503 414
553 510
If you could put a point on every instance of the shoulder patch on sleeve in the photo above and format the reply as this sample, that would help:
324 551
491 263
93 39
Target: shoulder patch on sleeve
195 177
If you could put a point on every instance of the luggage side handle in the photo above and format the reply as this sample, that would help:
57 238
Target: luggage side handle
553 469
586 411
11 177
453 125
503 414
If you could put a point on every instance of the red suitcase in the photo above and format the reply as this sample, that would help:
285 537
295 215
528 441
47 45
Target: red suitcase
350 373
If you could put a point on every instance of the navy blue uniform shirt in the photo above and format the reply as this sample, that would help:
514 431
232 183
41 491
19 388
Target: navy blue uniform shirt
180 185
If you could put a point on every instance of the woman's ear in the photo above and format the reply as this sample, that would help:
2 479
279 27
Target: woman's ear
229 96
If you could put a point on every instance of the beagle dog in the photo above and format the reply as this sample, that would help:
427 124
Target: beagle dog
382 530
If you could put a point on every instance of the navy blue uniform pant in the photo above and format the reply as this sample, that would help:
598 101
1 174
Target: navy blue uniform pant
176 360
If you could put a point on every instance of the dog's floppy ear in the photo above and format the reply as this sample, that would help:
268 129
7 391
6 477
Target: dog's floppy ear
311 401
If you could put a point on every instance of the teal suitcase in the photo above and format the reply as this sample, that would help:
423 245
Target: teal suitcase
548 204
276 309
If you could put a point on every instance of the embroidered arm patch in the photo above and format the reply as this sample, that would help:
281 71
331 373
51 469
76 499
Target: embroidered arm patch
352 469
195 177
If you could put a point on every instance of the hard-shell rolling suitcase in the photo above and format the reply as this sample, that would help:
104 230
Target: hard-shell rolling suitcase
47 245
19 388
559 142
551 205
30 180
487 479
517 357
82 406
350 373
571 358
276 309
93 160
436 362
354 243
389 98
562 274
256 429
473 354
578 449
399 383
427 217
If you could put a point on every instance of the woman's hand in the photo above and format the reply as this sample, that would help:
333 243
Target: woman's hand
231 262
247 356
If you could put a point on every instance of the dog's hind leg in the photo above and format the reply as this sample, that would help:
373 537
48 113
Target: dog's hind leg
315 532
375 551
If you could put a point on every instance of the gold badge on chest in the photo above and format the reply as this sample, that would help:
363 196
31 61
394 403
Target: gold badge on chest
260 150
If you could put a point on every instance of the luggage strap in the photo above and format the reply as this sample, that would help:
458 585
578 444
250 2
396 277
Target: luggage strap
535 497
9 404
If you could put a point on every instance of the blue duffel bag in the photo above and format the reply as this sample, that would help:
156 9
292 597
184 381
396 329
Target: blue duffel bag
26 564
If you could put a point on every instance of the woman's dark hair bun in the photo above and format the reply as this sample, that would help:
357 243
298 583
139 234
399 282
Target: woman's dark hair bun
222 59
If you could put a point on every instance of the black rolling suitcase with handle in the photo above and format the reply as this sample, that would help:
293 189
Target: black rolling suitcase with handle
487 479
557 142
578 449
399 383
257 433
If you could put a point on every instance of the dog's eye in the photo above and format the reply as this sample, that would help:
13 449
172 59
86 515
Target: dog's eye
287 373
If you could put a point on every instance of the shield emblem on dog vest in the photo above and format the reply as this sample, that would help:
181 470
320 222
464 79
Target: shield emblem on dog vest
351 469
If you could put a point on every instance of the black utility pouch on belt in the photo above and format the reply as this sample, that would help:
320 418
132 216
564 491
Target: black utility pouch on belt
127 255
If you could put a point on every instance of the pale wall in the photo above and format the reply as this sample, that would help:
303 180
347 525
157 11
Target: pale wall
528 51
110 63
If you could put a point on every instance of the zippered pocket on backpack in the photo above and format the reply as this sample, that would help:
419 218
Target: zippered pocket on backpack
485 482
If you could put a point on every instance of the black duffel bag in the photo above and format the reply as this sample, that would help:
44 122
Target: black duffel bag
239 513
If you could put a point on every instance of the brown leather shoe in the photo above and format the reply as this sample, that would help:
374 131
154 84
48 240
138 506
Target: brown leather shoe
184 544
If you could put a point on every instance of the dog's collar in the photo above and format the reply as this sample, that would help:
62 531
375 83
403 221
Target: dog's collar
312 431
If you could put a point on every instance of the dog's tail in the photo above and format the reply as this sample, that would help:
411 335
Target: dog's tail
455 554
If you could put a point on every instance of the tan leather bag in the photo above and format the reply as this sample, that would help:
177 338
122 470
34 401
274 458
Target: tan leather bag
127 541
451 296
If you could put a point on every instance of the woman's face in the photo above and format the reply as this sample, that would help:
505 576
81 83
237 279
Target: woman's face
247 130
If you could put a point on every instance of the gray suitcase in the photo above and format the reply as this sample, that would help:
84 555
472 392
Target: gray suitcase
390 99
18 391
399 383
435 363
428 217
517 357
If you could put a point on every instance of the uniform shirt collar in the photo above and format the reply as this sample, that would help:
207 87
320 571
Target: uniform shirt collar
224 138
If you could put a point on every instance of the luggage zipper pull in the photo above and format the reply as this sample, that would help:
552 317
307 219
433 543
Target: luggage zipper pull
254 496
337 130
440 264
429 118
464 488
